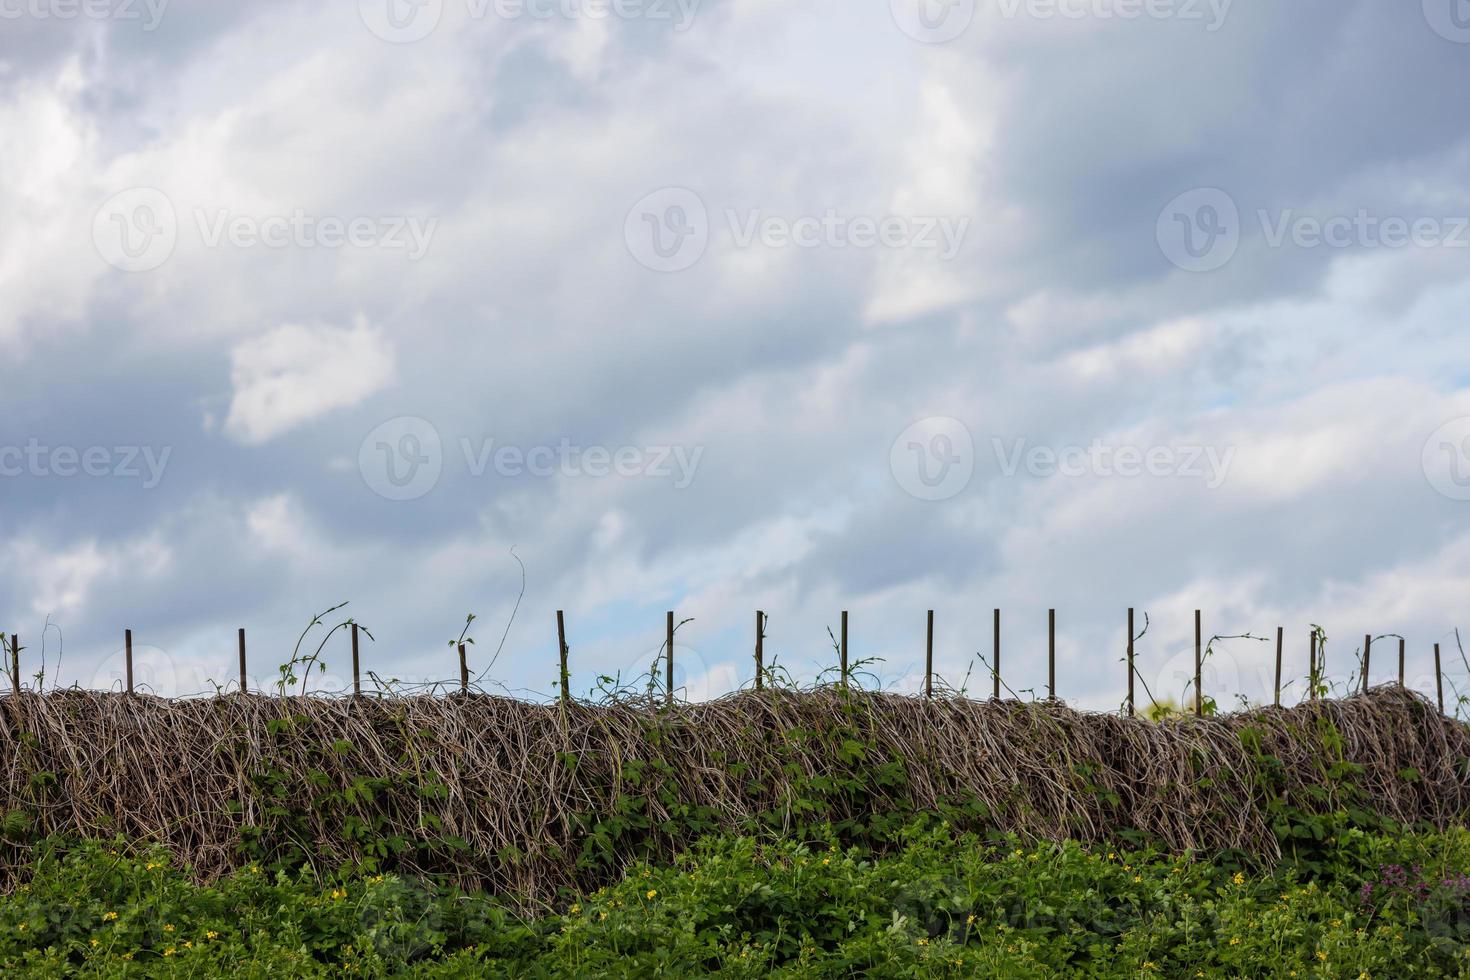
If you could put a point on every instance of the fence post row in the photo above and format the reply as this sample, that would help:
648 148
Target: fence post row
1314 665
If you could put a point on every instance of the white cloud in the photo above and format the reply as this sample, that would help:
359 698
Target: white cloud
293 374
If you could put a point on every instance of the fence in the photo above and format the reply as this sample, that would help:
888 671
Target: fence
1315 669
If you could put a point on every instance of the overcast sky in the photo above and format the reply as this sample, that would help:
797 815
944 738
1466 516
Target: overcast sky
733 305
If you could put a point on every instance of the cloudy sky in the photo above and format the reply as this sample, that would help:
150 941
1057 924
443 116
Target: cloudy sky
732 305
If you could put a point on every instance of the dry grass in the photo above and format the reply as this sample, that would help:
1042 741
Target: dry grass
166 770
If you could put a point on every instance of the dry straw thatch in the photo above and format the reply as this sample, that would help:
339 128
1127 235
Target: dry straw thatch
180 771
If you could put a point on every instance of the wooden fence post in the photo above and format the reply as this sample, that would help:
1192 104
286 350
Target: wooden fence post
244 686
464 672
1280 638
995 671
842 650
356 666
1199 660
128 656
15 663
929 658
1130 662
1312 669
1051 654
1401 661
561 639
1438 679
669 663
1367 658
760 637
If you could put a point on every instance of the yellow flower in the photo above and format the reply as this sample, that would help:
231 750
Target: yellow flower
576 910
1137 879
168 928
95 943
1112 856
1239 878
652 892
108 916
254 869
188 944
170 951
601 916
127 956
211 934
970 921
22 927
1321 955
1235 940
923 941
826 861
1335 923
1148 965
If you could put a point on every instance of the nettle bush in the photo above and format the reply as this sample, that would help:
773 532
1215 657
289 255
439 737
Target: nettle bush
939 904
